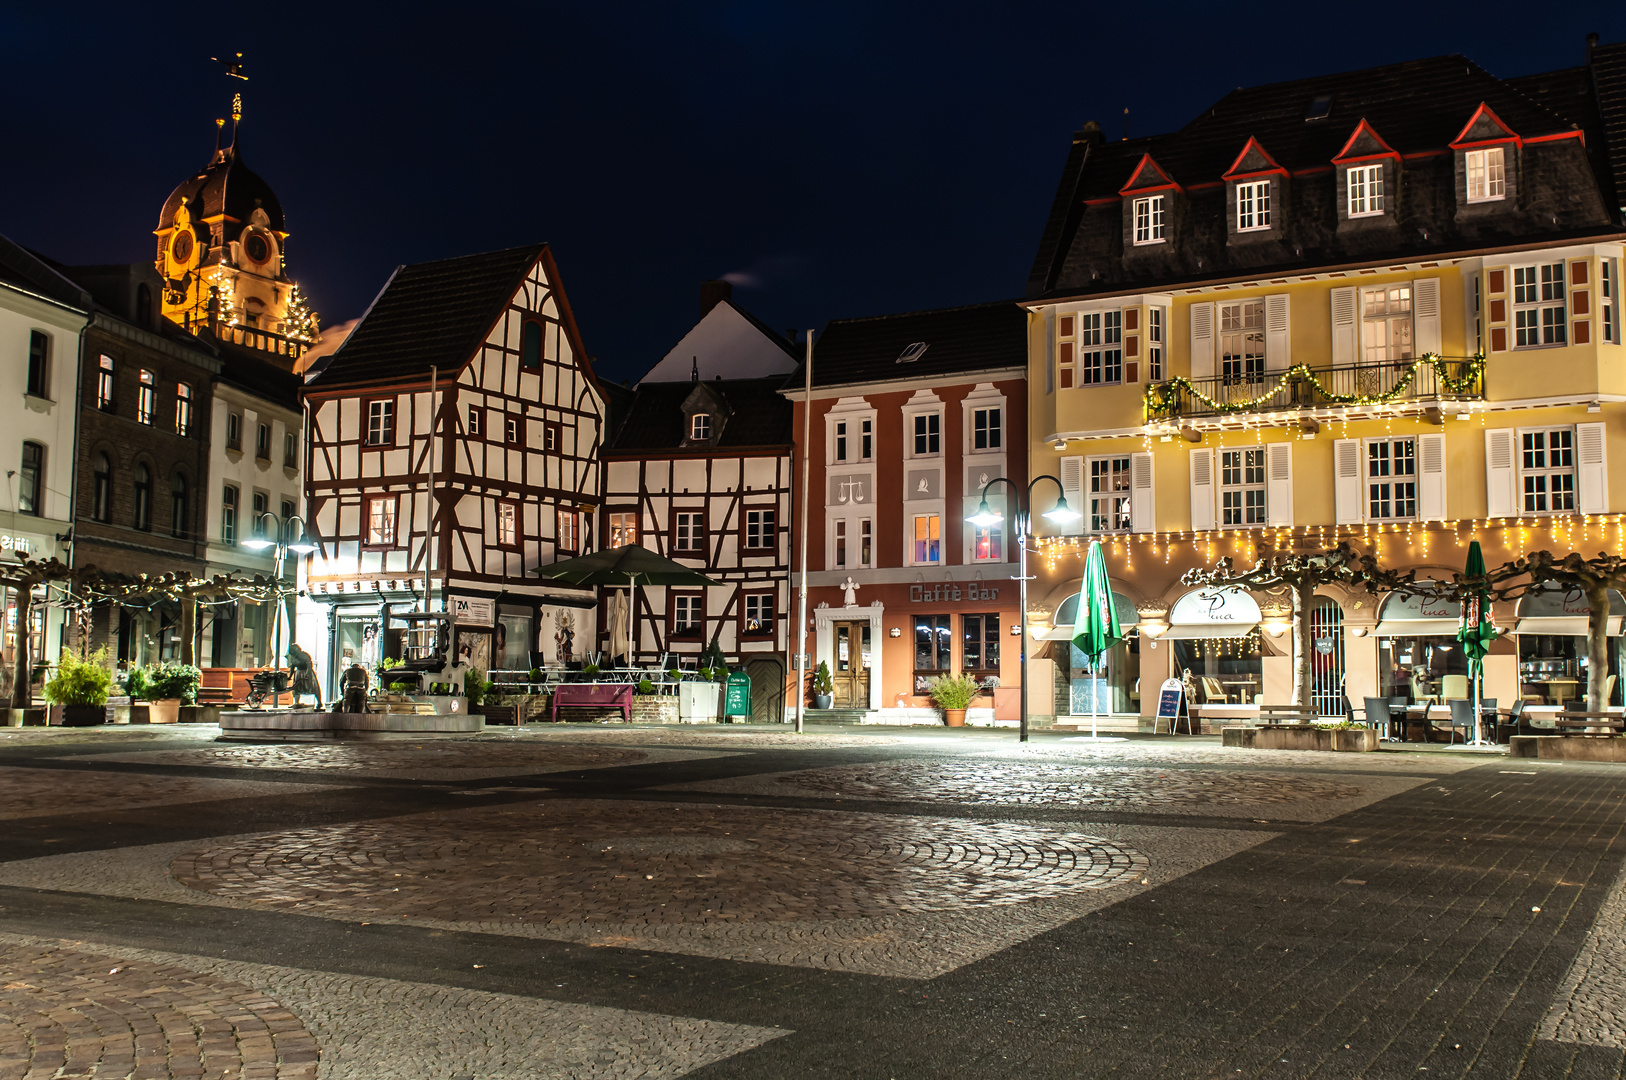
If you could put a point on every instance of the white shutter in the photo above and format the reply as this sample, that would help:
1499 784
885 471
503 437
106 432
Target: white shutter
1202 490
1277 346
1501 478
1425 315
1202 341
1346 482
1430 477
1072 486
1591 470
1142 494
1345 317
1279 484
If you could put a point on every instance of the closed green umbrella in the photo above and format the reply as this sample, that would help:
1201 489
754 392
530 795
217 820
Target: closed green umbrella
1095 627
1477 631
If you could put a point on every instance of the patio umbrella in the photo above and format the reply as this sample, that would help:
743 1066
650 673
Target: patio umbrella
1095 627
1476 632
627 565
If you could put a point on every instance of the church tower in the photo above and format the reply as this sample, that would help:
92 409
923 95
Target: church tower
220 252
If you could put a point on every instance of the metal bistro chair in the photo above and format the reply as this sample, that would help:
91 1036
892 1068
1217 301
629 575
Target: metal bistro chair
1514 723
1377 713
1462 718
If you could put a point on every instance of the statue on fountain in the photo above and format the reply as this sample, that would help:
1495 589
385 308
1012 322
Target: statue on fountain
302 674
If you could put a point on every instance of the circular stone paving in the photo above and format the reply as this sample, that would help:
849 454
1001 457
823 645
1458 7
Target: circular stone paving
70 1013
1047 784
595 862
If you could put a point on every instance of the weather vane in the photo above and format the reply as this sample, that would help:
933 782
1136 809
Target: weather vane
234 66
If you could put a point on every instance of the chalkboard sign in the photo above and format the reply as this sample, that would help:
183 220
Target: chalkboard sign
737 699
1171 706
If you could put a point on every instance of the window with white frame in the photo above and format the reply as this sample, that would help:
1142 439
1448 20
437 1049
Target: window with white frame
689 531
688 614
507 524
1108 495
1253 206
866 439
1365 185
841 440
474 420
1149 220
1386 329
928 433
1391 479
234 431
988 543
1487 181
1242 341
839 544
104 384
146 397
1066 346
1538 305
700 427
380 423
928 539
623 529
568 538
510 429
985 429
381 510
1154 343
1242 487
228 514
760 531
1101 350
866 542
1547 470
758 613
183 409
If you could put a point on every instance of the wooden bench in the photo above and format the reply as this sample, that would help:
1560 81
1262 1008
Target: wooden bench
1287 715
1583 723
593 695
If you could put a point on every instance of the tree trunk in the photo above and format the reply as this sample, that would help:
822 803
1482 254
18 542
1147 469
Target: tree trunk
22 695
1597 665
189 618
1303 597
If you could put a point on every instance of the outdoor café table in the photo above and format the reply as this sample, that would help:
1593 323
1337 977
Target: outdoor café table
1240 687
1561 690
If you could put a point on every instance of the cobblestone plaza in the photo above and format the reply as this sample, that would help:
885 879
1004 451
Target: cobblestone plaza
608 901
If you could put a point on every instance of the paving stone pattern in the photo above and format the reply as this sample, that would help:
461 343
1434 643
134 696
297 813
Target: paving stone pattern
1591 1004
29 793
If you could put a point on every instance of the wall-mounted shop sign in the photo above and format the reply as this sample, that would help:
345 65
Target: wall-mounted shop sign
950 592
14 543
472 611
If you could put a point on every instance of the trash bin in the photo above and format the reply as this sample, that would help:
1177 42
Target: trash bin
737 698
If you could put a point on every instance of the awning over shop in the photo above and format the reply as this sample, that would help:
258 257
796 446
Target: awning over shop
1564 613
1062 630
1418 616
1213 613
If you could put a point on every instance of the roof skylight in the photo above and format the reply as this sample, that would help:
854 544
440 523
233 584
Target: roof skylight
912 353
1319 108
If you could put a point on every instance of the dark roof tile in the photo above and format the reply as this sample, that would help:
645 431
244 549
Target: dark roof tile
976 338
757 415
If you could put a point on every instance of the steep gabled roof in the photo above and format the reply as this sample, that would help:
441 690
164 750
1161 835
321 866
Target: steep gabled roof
1609 82
757 415
433 314
981 337
25 270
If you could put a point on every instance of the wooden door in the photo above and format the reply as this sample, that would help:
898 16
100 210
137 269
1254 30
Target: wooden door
850 670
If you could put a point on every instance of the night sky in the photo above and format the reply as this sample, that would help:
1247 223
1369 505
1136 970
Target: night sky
835 159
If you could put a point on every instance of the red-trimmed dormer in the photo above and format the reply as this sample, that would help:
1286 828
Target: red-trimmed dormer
1368 171
1148 197
1487 154
1255 194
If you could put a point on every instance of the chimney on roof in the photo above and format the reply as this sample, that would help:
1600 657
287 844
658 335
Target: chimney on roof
694 372
1090 133
1591 43
713 293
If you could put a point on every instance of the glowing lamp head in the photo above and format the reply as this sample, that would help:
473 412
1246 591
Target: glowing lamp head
985 517
256 543
1061 513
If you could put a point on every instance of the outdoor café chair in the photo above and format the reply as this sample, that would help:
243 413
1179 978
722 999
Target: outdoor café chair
1377 713
1462 718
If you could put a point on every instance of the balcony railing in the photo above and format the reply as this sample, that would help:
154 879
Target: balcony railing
1302 389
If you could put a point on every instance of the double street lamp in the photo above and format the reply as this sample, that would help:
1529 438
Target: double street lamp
985 517
287 539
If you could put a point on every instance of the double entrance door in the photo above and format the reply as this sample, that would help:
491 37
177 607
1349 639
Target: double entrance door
850 671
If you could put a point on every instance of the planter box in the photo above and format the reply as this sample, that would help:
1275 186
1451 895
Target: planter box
164 711
654 709
1568 747
1345 740
499 714
699 702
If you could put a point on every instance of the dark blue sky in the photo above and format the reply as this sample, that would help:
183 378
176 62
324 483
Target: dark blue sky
844 158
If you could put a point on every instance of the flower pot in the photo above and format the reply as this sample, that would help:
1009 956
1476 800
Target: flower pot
954 717
823 701
166 711
83 715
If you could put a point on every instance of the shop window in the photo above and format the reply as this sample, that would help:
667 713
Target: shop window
1547 470
1224 670
933 649
979 644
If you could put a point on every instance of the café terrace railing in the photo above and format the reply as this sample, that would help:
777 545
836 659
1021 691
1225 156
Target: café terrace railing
1301 388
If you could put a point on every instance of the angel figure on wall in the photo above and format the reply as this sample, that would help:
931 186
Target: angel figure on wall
565 638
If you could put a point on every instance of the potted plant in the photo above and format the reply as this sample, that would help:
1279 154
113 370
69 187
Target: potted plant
953 694
80 686
168 686
590 671
823 687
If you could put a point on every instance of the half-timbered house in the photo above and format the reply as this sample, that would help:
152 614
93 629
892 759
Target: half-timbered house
453 445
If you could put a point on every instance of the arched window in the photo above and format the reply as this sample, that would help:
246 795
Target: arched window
178 509
101 506
530 346
143 498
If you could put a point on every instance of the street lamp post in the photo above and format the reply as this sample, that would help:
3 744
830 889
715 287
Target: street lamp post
286 540
1061 514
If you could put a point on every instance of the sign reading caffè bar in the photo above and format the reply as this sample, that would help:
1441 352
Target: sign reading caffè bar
948 592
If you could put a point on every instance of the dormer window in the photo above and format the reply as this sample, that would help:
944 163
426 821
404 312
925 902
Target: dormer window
699 427
1149 220
1253 206
1487 176
1365 184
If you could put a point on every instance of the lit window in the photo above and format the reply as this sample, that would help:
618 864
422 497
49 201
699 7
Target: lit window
1486 179
1100 347
569 537
104 384
228 515
1547 470
1365 184
700 427
1109 494
1242 341
1391 478
1538 305
1242 487
759 613
689 531
1253 206
1386 327
146 398
507 524
1149 220
928 539
979 643
988 543
759 528
1154 343
985 429
934 643
183 409
623 529
380 423
381 521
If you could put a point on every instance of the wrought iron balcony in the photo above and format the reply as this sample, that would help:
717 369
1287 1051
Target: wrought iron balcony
1429 380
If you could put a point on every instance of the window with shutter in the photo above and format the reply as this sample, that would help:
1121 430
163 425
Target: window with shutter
1143 502
1279 486
1426 315
1202 490
1344 335
1591 470
1202 341
1278 340
1431 477
1499 473
1072 486
1347 481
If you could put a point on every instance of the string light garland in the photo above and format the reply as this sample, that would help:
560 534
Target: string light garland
1162 399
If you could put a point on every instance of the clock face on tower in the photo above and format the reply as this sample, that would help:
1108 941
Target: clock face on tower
256 248
180 249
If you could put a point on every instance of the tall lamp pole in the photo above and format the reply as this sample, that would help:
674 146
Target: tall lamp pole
286 540
1061 514
801 543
